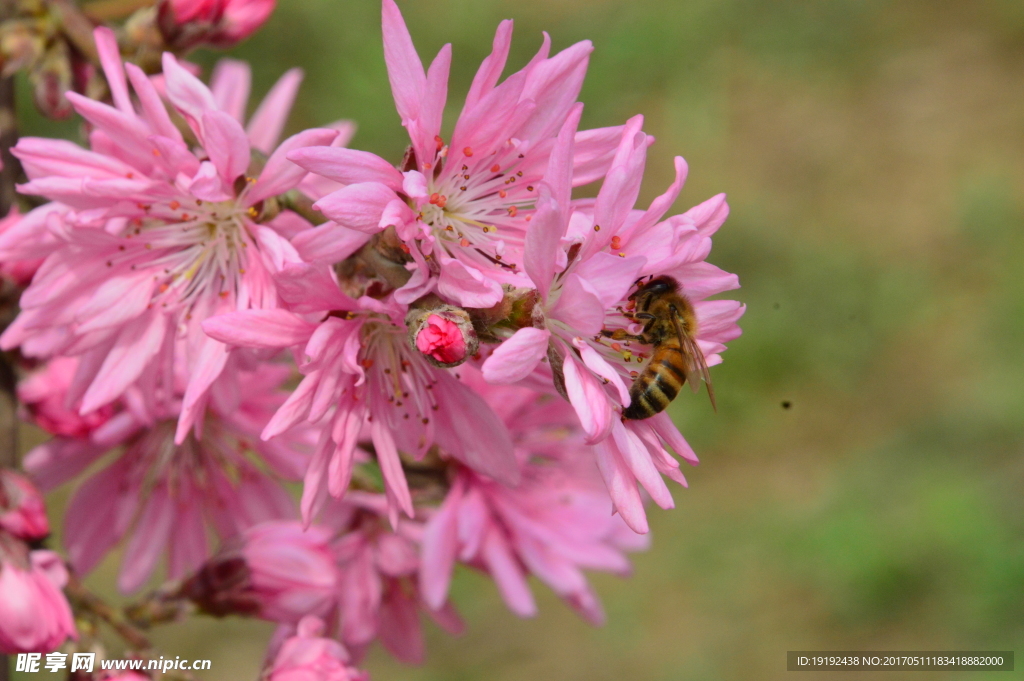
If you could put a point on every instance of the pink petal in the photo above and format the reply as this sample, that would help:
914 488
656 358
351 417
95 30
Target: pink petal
136 345
391 468
620 188
266 124
314 487
259 328
469 430
508 576
465 286
348 166
309 288
207 184
400 631
339 471
660 205
435 93
554 84
405 70
517 357
599 366
611 277
149 538
589 400
357 206
710 215
579 307
667 431
328 243
230 84
152 106
621 486
281 174
490 69
92 523
110 58
116 301
227 145
635 455
543 241
186 92
440 546
559 173
207 366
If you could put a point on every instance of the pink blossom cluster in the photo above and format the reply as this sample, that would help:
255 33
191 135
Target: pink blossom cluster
34 614
433 348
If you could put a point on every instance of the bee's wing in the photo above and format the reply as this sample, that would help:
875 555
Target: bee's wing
694 364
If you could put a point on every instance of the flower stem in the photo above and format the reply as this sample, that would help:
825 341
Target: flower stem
84 600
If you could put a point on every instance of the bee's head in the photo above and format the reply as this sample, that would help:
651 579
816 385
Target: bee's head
655 286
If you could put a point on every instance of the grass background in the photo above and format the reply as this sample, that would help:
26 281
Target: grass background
873 153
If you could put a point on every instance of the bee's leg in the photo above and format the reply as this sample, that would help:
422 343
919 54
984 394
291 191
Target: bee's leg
621 335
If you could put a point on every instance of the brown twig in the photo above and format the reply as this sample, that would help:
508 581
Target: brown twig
76 26
8 178
83 599
109 10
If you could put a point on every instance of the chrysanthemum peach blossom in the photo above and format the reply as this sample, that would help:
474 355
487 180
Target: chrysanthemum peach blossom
165 495
584 258
553 525
156 236
278 570
363 381
463 208
379 596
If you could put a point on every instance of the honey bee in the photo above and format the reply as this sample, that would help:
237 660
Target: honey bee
670 326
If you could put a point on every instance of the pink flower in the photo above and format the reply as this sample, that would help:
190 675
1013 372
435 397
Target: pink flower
43 395
125 676
462 208
555 524
584 258
166 495
280 572
219 23
307 656
364 382
19 272
34 614
22 511
293 572
155 234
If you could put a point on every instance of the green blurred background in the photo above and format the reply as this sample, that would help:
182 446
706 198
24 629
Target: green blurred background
873 153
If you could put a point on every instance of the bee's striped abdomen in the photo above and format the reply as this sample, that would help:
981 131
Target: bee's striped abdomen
657 385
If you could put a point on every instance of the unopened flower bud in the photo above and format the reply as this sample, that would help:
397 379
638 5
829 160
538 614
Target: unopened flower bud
219 23
22 512
21 44
308 656
281 573
34 614
51 78
44 396
444 335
